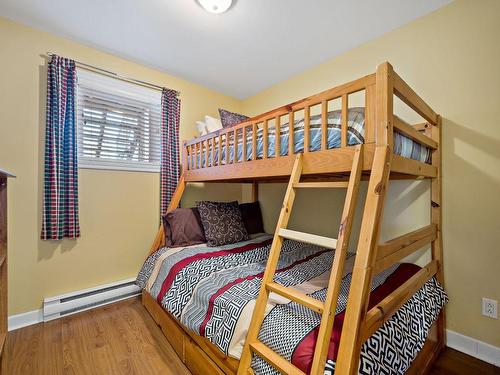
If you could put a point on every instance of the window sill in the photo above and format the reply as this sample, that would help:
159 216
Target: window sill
115 167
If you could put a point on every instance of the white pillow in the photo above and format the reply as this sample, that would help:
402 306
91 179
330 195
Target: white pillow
212 124
201 127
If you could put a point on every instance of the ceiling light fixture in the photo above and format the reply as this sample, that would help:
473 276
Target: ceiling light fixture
215 6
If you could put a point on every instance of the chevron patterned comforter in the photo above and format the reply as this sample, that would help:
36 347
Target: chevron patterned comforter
212 291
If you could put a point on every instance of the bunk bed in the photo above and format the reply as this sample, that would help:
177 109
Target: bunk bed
325 151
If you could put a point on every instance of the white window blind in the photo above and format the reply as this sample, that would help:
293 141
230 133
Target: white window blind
118 124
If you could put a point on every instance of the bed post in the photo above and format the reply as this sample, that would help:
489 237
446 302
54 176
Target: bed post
359 293
255 191
174 203
436 218
185 156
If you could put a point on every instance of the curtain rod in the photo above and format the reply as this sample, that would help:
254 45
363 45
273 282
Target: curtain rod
114 75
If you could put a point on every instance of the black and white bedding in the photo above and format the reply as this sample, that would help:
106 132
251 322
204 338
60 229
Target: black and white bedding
212 291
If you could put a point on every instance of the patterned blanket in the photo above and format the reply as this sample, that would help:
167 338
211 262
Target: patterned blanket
212 292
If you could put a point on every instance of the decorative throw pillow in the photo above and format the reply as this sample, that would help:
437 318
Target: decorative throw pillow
222 222
230 119
212 124
183 227
252 217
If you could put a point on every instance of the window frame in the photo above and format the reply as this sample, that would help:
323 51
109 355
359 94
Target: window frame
129 90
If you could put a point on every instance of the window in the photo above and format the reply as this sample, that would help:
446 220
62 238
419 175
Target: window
118 124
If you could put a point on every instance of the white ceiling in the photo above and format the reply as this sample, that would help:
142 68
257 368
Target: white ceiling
255 44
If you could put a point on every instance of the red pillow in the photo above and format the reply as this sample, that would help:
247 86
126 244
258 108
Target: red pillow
183 227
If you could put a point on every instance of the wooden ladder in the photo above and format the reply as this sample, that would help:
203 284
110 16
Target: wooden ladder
327 308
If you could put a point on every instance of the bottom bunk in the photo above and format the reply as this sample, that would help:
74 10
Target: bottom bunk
202 357
207 296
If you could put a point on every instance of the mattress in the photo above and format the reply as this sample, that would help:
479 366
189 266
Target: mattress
403 145
212 291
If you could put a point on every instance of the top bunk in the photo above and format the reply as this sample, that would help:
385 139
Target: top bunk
326 129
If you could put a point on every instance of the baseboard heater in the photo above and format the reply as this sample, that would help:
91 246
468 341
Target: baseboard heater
75 302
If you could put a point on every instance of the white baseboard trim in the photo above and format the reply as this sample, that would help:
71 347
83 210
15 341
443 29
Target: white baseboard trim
475 348
25 319
32 317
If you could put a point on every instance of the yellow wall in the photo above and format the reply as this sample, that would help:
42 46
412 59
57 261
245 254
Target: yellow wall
452 58
119 210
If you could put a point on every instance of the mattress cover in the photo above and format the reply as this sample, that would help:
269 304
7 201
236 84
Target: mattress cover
403 146
212 291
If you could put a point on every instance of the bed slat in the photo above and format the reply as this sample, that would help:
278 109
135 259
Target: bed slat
214 143
200 160
382 312
190 157
344 117
197 160
204 159
277 137
265 135
307 134
413 167
219 155
228 145
207 152
324 120
370 114
235 146
254 141
398 248
193 157
244 144
414 134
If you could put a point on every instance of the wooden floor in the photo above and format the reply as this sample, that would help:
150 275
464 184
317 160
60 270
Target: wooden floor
123 339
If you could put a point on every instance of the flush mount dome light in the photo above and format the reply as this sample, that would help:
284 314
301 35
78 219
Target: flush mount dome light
215 6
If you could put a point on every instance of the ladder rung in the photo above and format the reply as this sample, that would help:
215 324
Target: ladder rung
314 239
321 185
296 296
275 359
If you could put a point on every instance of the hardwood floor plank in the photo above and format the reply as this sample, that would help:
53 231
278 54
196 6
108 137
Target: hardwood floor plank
118 339
453 362
123 339
51 360
76 346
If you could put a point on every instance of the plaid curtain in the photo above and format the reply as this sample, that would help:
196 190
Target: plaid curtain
170 169
60 206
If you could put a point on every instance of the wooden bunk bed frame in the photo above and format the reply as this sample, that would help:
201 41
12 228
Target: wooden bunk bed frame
379 165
